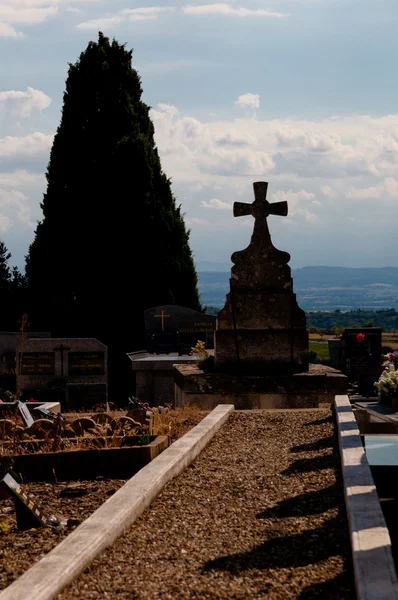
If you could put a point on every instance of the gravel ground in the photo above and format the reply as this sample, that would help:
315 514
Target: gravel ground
259 514
19 550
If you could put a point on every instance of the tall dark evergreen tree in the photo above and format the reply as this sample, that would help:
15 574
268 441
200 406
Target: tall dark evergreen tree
5 271
112 241
13 292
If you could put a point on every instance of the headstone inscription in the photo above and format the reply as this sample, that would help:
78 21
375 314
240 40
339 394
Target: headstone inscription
361 350
173 328
37 363
28 513
86 363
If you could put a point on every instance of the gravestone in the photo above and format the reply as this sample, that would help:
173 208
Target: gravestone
28 513
261 329
25 414
261 340
173 328
68 370
361 352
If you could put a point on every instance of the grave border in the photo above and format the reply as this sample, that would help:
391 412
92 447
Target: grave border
48 577
374 569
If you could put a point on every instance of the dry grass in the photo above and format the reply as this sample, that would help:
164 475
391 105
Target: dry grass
67 435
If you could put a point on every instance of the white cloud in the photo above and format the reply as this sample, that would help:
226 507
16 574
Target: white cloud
26 16
248 100
15 210
20 178
28 145
230 11
7 30
21 104
31 12
127 15
324 152
388 188
216 203
298 203
196 221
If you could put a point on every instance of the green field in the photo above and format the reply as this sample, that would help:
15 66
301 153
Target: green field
321 349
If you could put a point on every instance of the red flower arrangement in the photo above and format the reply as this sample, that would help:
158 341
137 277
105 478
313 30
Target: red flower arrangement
360 337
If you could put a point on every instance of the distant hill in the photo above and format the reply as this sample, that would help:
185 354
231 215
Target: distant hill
322 288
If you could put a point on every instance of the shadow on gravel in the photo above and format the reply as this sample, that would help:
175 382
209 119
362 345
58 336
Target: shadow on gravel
306 504
329 419
327 442
338 588
290 551
305 465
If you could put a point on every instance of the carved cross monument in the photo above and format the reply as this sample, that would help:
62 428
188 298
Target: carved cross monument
261 329
260 208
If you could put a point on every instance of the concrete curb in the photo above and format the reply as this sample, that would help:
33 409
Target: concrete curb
66 561
374 570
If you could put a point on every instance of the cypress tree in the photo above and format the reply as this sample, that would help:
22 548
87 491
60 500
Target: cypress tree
112 241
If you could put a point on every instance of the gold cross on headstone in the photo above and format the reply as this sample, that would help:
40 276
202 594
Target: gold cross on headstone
163 316
260 208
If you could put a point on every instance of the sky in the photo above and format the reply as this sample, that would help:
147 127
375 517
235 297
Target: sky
302 94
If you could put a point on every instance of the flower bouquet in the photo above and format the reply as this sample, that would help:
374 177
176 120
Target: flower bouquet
387 384
137 409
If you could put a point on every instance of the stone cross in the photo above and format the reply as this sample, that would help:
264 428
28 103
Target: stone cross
260 208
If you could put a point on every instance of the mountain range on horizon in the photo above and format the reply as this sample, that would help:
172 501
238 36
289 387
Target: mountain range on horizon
320 287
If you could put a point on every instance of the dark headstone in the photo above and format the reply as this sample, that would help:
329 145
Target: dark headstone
167 326
28 513
361 350
261 329
25 414
162 343
336 354
86 395
49 365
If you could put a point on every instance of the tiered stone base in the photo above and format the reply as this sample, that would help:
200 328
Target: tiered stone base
301 390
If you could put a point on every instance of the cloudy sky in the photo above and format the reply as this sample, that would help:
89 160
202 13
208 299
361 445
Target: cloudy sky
300 93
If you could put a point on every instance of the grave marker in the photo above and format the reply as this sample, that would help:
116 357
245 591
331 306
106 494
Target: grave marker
173 328
25 414
361 349
28 513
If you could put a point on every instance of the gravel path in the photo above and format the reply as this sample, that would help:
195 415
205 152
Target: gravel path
260 514
19 550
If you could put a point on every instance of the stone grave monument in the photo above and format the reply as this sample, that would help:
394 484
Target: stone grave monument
261 341
171 331
361 354
72 371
